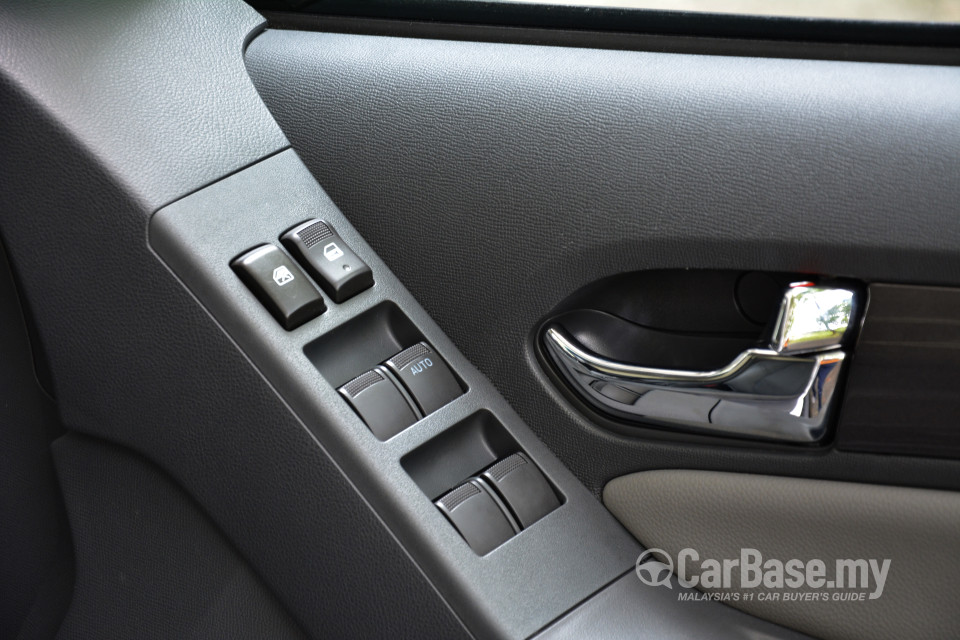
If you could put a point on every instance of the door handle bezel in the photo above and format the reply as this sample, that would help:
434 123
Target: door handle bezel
785 392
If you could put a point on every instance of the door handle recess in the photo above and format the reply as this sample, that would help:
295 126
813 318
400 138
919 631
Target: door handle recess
784 391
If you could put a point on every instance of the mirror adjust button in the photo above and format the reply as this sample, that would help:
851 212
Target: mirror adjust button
340 271
426 376
280 285
523 487
379 403
476 516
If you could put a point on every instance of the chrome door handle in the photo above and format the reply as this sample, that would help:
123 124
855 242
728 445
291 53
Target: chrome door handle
784 391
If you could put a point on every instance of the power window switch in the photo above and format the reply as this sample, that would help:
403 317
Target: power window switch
426 376
476 516
379 403
523 488
280 285
340 271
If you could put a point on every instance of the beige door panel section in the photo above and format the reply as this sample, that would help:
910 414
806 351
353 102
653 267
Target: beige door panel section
720 514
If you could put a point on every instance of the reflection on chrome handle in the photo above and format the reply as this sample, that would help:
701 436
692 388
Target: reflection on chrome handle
771 393
812 318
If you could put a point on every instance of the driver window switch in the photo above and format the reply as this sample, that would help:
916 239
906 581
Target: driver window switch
340 272
426 376
379 403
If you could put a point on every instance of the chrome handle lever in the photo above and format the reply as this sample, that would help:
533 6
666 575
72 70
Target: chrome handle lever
783 392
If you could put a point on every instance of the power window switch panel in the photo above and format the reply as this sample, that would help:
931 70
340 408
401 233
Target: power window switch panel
523 488
280 285
340 271
379 403
426 376
476 516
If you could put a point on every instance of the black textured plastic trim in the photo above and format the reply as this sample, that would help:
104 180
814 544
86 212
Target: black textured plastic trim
312 235
407 356
362 382
458 496
627 20
502 469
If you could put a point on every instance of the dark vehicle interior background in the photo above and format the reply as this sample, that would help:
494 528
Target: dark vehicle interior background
422 319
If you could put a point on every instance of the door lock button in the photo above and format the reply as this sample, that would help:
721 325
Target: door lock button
379 403
340 271
280 285
426 376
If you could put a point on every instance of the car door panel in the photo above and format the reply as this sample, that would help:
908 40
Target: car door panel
515 175
485 182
